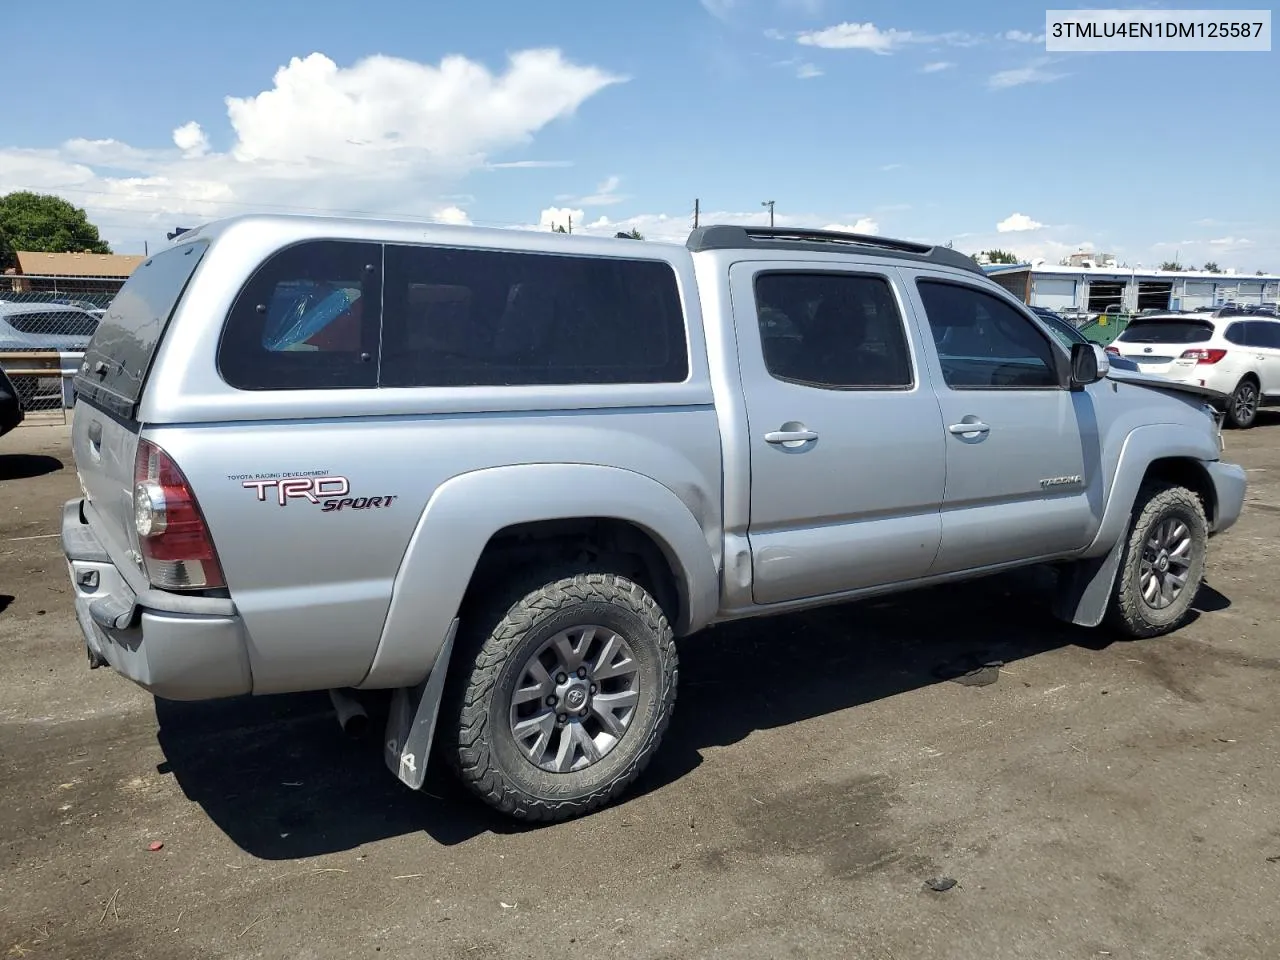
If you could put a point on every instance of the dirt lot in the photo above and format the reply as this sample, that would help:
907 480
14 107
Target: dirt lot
1099 799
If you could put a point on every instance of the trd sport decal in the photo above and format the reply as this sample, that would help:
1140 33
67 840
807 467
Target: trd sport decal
329 493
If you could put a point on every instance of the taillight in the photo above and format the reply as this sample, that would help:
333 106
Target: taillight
1114 351
173 537
1201 355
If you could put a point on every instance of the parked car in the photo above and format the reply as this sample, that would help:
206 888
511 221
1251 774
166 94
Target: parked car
45 326
11 411
1069 335
498 473
1237 355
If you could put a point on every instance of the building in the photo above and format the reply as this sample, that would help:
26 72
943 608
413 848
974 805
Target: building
96 275
1097 285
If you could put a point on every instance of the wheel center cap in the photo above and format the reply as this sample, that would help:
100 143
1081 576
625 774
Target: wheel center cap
575 697
1162 564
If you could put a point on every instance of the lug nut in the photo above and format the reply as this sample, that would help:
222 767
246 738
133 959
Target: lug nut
562 678
582 712
594 688
562 719
552 700
582 673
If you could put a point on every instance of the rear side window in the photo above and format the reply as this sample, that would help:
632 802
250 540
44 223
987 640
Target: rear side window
119 356
1264 333
1167 331
308 319
460 317
832 330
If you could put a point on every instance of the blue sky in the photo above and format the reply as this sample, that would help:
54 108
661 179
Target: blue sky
931 119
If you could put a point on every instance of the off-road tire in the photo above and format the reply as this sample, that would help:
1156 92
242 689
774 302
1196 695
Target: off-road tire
496 636
1129 613
1248 416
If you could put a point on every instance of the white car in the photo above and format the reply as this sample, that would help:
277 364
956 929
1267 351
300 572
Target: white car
1237 354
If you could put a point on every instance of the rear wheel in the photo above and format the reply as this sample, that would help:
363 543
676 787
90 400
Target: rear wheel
1163 562
1242 410
561 695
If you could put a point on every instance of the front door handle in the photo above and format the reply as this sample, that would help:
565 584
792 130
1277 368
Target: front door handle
790 436
972 426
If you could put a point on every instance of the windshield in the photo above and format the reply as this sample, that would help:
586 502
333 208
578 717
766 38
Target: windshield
1166 330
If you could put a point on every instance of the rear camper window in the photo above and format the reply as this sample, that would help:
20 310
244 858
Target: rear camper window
308 319
118 358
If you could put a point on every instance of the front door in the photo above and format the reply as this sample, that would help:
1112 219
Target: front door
1023 473
846 459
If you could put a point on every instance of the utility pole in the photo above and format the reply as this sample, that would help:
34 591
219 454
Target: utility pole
697 209
769 204
570 223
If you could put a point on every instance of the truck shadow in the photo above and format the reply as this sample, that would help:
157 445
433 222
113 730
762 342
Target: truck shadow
276 775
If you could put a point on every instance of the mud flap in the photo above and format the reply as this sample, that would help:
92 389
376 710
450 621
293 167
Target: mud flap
412 722
1085 586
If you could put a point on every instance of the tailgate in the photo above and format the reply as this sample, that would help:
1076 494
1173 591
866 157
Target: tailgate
104 447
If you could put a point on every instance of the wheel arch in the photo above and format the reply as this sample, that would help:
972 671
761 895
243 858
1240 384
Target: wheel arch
533 507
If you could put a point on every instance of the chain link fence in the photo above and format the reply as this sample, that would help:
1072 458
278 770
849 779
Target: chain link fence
45 325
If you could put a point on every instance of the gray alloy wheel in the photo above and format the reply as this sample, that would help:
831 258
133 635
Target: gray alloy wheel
1242 408
559 693
1163 562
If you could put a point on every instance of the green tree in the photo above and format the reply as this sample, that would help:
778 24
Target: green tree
46 224
1000 256
559 228
632 234
1173 265
1211 267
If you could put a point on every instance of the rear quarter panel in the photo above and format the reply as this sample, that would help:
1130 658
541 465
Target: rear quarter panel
313 581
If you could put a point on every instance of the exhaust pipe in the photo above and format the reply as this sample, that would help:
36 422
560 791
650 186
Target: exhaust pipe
352 717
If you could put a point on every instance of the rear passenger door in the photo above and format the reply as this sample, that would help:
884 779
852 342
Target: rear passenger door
846 458
1022 461
1264 337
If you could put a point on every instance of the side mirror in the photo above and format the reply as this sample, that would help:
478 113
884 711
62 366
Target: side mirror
1089 364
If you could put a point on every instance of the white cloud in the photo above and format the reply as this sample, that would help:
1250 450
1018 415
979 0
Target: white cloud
856 36
890 167
1022 36
865 225
382 135
675 228
191 140
553 217
606 194
528 164
937 66
1032 73
1232 242
773 34
867 36
807 71
1017 223
452 214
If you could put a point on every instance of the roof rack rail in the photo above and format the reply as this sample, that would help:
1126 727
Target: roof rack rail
734 237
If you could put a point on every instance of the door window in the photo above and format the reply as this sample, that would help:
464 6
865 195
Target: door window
984 343
834 331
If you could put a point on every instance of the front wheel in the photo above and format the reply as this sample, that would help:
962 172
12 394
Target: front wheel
561 697
1163 562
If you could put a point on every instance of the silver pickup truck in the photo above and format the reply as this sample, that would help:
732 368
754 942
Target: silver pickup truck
497 473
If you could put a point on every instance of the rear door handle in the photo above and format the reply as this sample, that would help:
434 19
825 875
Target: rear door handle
790 436
977 426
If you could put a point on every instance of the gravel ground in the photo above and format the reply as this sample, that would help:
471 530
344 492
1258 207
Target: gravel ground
1097 799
